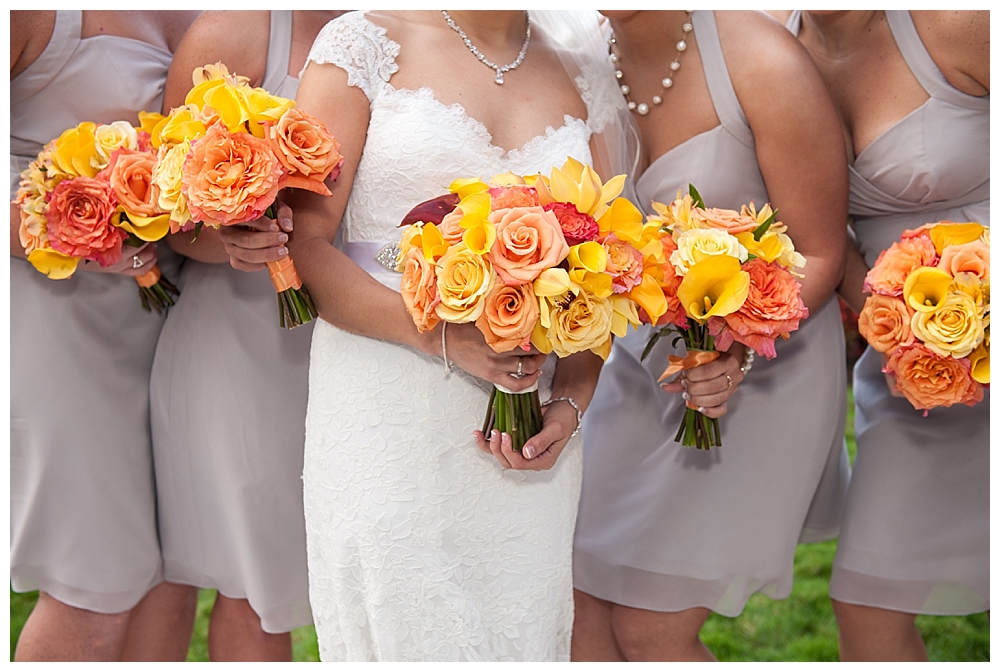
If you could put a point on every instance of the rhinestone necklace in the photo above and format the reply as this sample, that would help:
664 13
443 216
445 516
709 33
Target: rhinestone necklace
667 82
500 69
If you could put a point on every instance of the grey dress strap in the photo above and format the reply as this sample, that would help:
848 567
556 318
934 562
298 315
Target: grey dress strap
720 86
279 49
794 22
923 66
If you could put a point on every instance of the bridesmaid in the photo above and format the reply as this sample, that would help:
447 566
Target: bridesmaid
667 534
912 91
228 389
82 499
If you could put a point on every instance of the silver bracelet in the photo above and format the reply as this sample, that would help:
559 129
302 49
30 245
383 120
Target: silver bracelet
747 361
571 402
444 349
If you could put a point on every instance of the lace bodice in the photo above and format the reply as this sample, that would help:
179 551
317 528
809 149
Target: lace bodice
416 145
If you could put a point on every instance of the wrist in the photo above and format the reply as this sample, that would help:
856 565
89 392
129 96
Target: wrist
572 403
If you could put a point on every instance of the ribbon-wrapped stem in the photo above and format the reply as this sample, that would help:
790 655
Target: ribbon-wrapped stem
155 291
295 306
517 413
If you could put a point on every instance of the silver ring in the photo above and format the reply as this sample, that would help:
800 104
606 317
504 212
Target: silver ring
137 262
686 396
730 382
701 409
518 375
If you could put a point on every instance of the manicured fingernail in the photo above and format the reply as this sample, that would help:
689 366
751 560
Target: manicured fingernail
528 450
286 224
273 227
283 238
494 434
282 251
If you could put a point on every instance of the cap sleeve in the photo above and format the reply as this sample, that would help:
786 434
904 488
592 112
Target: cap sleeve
360 48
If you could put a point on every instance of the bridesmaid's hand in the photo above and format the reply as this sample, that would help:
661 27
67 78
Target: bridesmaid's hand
251 245
468 350
890 380
135 264
711 385
541 451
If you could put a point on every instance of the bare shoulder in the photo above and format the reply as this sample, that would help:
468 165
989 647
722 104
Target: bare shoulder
30 31
959 43
237 38
174 24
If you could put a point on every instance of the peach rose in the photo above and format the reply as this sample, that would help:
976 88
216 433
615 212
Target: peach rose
773 308
885 323
450 227
306 149
229 178
928 380
971 257
529 240
576 226
515 196
79 221
130 174
509 316
728 220
894 264
625 263
419 289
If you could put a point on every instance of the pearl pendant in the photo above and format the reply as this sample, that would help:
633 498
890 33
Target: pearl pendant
642 108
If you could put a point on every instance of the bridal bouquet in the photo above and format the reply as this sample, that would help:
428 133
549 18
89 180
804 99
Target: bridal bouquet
89 195
226 153
929 313
729 278
552 261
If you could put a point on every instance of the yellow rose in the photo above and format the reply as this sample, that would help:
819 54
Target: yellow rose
75 151
109 137
584 323
167 177
953 329
464 280
698 244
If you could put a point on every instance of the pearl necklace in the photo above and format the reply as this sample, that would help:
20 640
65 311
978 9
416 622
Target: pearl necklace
500 69
667 82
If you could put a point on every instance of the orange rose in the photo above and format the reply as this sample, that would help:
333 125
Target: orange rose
971 257
529 240
229 178
773 308
625 263
516 196
928 380
450 227
419 289
728 220
894 264
306 149
885 323
509 316
79 221
130 174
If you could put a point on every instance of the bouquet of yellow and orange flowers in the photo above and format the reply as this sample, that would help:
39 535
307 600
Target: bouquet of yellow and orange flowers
227 152
929 313
552 261
729 277
87 196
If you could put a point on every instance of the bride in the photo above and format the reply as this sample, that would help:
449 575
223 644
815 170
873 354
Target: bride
420 546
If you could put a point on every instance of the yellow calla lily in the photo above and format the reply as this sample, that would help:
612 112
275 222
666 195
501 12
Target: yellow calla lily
588 255
926 288
622 219
980 361
465 187
600 285
540 334
768 248
428 238
230 104
954 233
649 296
149 120
625 314
148 229
75 151
196 96
552 282
714 287
262 107
507 179
480 232
480 237
54 264
182 124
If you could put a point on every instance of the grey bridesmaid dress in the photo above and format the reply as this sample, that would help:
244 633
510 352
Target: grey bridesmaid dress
666 528
916 533
82 499
228 395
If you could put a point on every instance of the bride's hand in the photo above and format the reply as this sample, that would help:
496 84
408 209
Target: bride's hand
251 245
541 451
711 385
135 264
516 370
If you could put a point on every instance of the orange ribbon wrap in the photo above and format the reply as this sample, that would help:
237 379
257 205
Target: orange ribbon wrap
283 274
692 359
149 278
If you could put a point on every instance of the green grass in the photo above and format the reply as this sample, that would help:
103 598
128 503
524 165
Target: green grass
800 628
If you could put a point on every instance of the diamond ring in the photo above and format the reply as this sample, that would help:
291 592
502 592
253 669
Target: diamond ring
137 262
730 382
519 374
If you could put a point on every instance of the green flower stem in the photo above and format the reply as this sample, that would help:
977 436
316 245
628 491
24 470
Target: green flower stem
517 414
159 297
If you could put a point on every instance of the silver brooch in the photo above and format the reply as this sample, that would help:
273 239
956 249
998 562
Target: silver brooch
388 256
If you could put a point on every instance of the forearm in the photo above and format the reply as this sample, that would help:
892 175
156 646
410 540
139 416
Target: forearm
15 239
855 270
822 275
576 377
206 248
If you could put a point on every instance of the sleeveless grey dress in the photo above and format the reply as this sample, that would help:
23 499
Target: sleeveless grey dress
82 500
667 528
916 534
228 396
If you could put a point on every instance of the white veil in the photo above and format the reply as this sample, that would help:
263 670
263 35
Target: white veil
581 37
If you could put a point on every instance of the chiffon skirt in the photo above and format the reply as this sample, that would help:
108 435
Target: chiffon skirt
666 528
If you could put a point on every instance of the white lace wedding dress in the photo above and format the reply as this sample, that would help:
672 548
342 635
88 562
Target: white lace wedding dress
421 547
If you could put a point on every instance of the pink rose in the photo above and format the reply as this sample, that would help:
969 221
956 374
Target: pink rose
79 221
577 227
529 240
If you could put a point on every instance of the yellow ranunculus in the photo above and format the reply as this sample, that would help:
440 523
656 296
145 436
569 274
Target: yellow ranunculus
75 151
54 264
954 233
925 288
109 137
953 329
980 361
464 280
182 124
146 228
971 285
714 287
694 245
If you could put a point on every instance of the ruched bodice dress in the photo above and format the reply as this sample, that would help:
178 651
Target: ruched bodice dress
82 499
228 397
420 546
664 527
916 535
